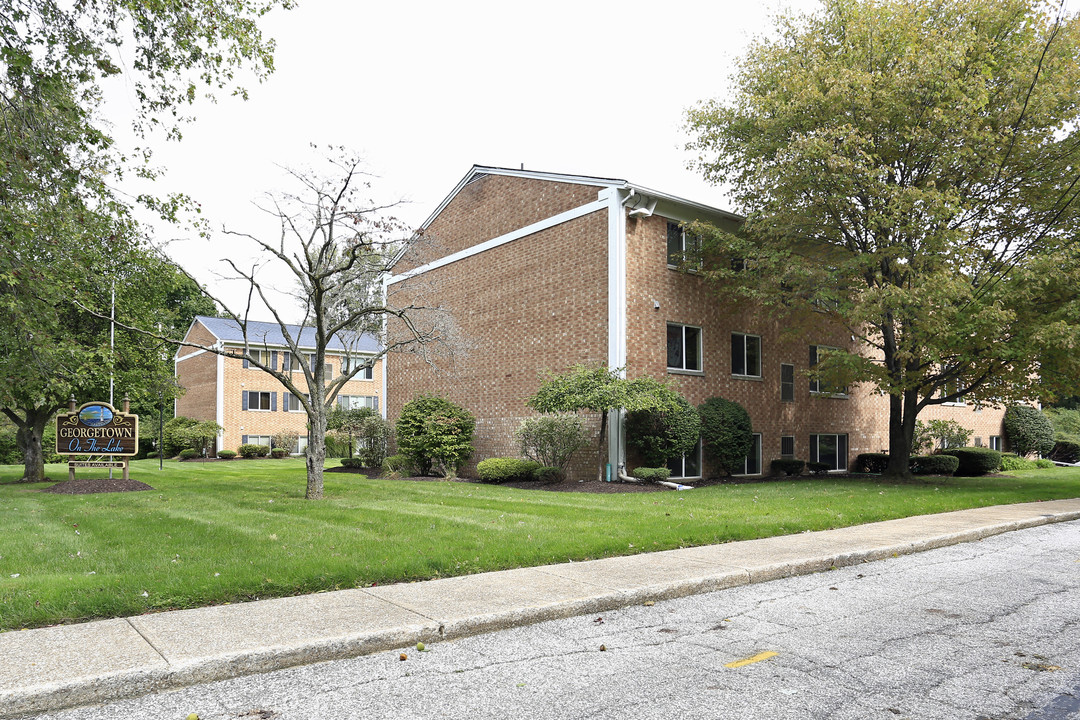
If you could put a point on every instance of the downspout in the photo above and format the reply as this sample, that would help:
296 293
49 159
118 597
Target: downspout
616 355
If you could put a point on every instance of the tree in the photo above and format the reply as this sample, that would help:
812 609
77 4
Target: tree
946 433
551 439
600 390
348 422
909 174
726 432
1028 431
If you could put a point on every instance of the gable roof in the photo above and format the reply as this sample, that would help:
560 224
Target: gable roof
269 333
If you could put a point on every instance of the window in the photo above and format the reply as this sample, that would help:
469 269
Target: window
291 403
952 386
256 400
266 357
682 247
820 385
349 363
354 402
328 369
290 362
745 355
752 461
256 440
301 445
683 348
787 446
995 442
829 449
787 382
687 466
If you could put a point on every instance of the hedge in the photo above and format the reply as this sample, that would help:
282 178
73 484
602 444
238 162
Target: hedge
818 468
226 454
933 464
871 462
787 466
548 474
352 462
1066 452
188 454
651 474
497 470
974 460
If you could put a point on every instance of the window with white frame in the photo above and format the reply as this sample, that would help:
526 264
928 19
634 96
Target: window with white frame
258 400
328 369
952 386
301 445
351 362
290 362
687 466
257 440
752 461
291 402
995 442
683 348
355 402
787 382
820 385
787 446
745 355
829 448
682 247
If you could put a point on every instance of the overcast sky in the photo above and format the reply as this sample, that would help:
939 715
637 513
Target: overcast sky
424 90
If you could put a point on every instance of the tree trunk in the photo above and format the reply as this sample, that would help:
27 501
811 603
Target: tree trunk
600 447
902 413
28 437
316 455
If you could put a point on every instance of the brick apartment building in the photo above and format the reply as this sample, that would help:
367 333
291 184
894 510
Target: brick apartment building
546 270
247 402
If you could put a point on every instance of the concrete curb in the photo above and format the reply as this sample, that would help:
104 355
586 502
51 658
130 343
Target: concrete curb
189 647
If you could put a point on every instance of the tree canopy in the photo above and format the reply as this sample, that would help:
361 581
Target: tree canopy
910 172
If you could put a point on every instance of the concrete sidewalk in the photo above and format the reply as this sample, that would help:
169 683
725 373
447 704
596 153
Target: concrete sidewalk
51 668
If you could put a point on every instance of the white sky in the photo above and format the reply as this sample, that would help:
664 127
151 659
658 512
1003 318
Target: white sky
424 90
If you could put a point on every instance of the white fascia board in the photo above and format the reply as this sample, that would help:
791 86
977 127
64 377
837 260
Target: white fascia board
190 355
536 227
695 206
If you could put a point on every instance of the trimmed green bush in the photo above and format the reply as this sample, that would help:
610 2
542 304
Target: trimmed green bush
250 450
975 461
188 454
933 464
651 474
787 466
1066 451
226 454
662 435
154 454
818 468
871 462
397 466
551 439
548 474
352 462
1012 461
1044 463
497 470
1028 430
436 434
726 432
278 452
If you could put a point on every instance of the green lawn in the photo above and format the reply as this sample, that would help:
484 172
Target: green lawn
223 532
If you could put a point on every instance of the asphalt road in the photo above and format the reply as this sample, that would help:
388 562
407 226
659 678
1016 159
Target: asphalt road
985 630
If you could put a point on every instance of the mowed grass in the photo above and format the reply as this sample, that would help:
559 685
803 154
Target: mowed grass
225 532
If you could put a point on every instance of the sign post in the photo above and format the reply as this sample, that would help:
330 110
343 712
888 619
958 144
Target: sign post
96 428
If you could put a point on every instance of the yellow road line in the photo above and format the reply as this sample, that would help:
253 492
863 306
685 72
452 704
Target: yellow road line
751 660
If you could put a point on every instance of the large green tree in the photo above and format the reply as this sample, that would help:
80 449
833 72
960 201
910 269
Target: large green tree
909 172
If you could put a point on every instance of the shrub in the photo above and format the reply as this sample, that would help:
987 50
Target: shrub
226 454
1012 461
154 454
871 462
188 454
726 432
651 474
397 466
435 433
352 462
373 439
1066 422
939 433
1044 463
933 464
662 435
249 450
548 474
975 461
551 439
818 468
286 441
1028 430
1066 451
278 452
787 466
497 470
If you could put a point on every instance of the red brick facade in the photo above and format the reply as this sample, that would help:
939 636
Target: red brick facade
540 301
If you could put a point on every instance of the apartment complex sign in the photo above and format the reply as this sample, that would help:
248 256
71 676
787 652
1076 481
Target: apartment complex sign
97 428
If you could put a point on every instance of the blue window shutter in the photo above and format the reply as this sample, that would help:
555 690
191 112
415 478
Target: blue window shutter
286 357
244 440
245 361
375 403
273 359
273 401
244 401
285 401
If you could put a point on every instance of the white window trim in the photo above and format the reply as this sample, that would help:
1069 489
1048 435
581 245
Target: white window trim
682 461
761 469
682 249
700 349
847 449
259 409
817 382
761 360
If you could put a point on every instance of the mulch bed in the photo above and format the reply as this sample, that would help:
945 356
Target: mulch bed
86 486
